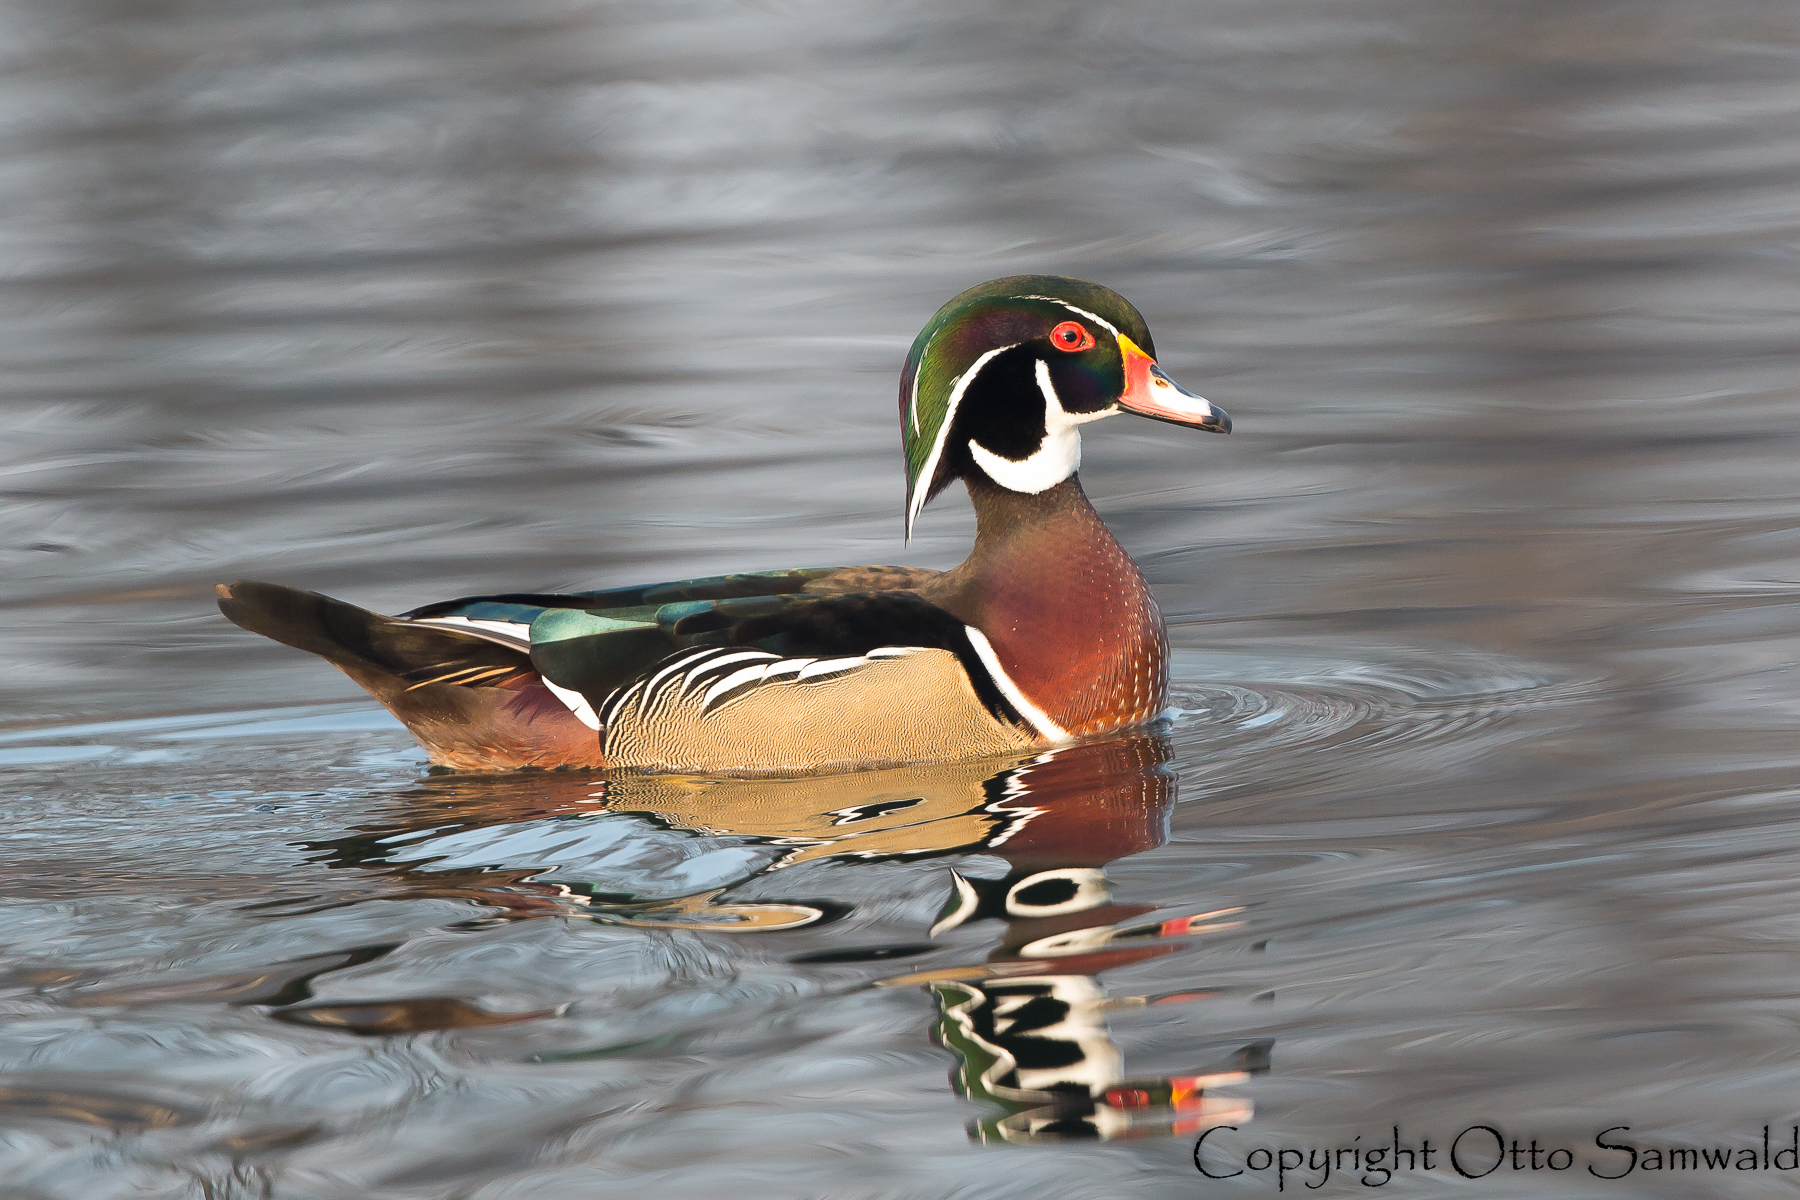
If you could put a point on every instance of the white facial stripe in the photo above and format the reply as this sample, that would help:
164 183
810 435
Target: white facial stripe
1094 317
912 411
922 486
1055 459
1039 719
584 712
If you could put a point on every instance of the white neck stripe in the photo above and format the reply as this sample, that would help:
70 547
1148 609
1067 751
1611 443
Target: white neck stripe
1056 460
1039 719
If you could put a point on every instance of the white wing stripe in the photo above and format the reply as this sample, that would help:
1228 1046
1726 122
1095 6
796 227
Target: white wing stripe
515 634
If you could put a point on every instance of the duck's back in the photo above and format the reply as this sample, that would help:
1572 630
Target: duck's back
769 672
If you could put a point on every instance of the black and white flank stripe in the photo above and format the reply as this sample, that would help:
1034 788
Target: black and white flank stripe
717 675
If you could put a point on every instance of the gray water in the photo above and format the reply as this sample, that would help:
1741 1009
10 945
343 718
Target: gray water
1487 616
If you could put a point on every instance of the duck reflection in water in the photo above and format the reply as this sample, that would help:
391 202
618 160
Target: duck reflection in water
1027 1025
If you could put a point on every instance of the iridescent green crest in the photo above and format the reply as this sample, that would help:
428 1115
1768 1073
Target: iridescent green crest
972 327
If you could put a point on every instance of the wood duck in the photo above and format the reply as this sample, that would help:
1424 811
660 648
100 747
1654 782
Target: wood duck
1045 635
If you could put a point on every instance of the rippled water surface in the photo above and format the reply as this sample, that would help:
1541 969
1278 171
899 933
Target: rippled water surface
1478 802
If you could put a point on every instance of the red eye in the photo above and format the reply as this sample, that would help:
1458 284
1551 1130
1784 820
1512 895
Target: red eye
1071 336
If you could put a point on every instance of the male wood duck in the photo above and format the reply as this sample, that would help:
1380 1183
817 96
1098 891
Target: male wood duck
1045 635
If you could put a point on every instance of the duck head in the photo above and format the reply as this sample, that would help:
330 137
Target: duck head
1001 379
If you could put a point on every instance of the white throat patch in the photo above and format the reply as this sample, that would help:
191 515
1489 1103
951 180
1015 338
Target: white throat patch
1055 459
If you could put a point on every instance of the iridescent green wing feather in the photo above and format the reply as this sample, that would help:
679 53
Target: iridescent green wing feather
594 642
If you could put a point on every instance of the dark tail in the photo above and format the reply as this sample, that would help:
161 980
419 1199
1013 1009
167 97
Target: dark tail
471 702
354 637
